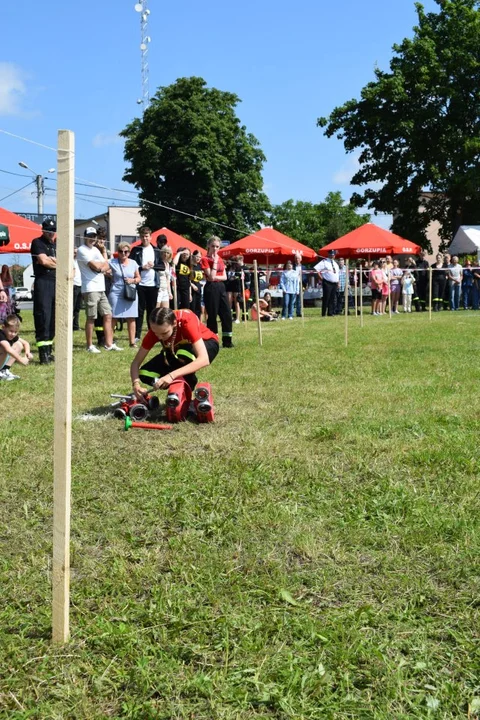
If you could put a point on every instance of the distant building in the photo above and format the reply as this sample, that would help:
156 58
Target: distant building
433 229
28 277
122 223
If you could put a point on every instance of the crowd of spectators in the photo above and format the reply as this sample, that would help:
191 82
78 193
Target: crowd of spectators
445 283
126 287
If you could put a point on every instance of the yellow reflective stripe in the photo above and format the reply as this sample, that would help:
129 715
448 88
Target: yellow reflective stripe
186 354
41 343
148 373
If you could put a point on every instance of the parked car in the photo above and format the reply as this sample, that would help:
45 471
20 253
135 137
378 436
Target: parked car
22 293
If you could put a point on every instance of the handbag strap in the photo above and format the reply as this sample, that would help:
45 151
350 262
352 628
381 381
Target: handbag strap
121 270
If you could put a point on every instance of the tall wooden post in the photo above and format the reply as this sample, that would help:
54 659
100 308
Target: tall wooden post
244 299
346 303
257 300
361 295
175 293
430 286
302 309
389 294
355 287
62 443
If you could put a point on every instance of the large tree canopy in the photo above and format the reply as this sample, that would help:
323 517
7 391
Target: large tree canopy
418 126
190 152
316 225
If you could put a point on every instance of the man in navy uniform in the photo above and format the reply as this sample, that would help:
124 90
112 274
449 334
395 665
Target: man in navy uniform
44 261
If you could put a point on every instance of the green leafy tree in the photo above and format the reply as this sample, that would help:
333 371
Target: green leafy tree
418 126
190 152
316 225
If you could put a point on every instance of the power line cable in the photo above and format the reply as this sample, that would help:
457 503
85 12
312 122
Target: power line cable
34 142
8 172
17 191
149 202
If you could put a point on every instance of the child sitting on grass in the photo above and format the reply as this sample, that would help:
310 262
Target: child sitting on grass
11 348
265 307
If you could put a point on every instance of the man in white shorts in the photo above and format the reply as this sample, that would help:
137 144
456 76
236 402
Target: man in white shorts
93 267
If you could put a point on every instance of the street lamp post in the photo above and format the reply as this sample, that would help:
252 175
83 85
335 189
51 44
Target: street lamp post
40 183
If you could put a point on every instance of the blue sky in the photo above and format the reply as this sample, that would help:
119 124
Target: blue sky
76 65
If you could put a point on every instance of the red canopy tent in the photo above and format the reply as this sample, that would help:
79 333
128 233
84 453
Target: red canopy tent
268 233
255 247
16 233
174 241
370 240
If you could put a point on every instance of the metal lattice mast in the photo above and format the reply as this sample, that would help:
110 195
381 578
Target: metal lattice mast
145 39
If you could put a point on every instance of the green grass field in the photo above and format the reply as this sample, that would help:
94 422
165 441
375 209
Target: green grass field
313 554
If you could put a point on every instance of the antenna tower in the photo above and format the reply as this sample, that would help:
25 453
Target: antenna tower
145 39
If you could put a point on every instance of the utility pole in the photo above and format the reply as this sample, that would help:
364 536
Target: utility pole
40 193
40 183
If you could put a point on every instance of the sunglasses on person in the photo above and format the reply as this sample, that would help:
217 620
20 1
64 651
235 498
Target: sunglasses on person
124 252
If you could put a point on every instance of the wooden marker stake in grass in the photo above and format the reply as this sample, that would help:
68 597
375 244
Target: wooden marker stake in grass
257 301
430 294
244 300
302 309
347 278
62 443
175 294
361 295
355 289
389 294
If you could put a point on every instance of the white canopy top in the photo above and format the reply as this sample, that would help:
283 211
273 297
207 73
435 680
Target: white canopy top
466 240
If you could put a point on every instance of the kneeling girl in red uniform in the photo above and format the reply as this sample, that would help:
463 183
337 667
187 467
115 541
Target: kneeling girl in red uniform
187 346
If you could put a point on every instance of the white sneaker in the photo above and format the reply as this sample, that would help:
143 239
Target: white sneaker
237 322
93 349
284 318
113 346
4 376
10 375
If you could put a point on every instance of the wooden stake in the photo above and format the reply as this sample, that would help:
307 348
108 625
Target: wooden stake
355 287
346 304
62 443
302 309
389 294
175 294
244 300
257 300
361 295
430 295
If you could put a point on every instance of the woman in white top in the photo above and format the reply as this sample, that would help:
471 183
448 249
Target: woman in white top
165 278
